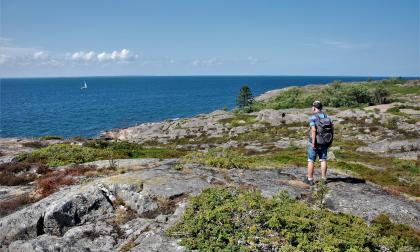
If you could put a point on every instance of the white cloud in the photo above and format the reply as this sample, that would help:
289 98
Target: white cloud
21 56
124 55
338 44
3 59
40 55
254 60
207 62
84 56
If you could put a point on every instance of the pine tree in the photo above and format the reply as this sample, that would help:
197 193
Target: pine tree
244 99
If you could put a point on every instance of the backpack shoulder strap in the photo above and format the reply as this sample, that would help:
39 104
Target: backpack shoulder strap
317 116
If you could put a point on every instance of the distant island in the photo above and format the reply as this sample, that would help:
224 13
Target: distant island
230 179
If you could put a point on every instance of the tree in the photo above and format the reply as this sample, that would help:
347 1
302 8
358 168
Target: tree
245 98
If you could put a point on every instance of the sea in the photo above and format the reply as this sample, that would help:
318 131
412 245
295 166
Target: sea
33 107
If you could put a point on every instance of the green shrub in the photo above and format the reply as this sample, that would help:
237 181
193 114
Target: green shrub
394 81
346 96
292 97
124 149
51 138
239 119
338 94
228 219
380 94
62 154
392 123
393 110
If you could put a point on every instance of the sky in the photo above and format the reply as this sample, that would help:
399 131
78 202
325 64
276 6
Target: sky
194 37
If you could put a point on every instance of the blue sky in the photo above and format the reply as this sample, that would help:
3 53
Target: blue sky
235 37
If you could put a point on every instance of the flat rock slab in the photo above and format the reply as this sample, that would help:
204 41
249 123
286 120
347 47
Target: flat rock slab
40 226
368 201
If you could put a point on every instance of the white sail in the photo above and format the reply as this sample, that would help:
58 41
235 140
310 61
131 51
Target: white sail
84 86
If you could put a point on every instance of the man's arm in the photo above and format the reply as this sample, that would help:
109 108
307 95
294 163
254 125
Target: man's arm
313 134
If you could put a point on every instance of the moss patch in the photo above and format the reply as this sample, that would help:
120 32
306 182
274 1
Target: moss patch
231 158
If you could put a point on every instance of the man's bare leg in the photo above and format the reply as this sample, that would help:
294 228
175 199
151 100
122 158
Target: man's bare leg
310 170
323 169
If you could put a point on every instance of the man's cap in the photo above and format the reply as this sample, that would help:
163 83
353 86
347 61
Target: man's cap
317 104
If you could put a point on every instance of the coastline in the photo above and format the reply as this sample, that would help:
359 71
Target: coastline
134 101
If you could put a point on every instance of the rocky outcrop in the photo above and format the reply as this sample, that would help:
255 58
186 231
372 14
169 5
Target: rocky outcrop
197 126
88 217
404 149
284 116
210 125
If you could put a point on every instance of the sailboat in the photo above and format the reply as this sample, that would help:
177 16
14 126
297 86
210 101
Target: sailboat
83 87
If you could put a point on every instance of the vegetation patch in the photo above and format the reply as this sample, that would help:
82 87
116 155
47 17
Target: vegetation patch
229 219
16 173
396 174
220 158
232 158
51 138
340 95
239 119
52 183
124 149
11 205
291 157
63 154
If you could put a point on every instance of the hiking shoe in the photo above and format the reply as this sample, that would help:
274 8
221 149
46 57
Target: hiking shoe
309 182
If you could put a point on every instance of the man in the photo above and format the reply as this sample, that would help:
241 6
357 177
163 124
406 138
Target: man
320 138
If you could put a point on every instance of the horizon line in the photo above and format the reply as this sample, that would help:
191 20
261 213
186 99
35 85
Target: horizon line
205 75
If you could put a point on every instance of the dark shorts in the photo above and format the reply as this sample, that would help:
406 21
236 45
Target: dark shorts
320 151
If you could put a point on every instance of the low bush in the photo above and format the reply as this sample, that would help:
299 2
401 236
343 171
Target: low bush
392 123
11 179
16 173
52 183
51 138
11 205
124 149
62 154
380 94
346 96
220 158
239 119
393 110
288 157
229 219
14 167
336 94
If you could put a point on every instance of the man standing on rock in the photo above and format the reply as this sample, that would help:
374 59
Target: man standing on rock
320 138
